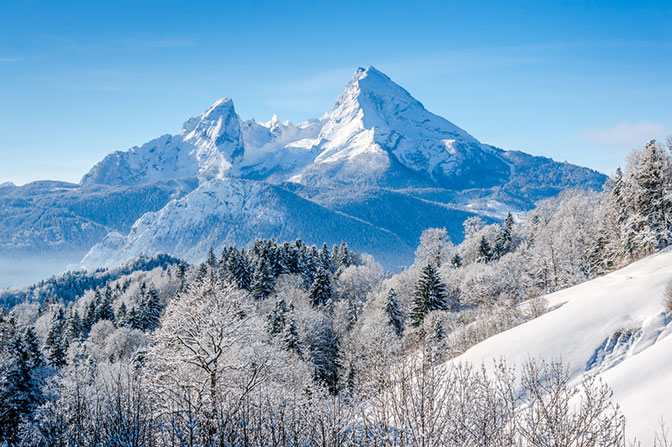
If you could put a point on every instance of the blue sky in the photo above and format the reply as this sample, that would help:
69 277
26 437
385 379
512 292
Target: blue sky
578 81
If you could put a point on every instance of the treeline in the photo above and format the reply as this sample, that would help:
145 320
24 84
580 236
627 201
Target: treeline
74 284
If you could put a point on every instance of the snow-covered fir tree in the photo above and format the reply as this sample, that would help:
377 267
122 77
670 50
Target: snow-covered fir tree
394 314
321 291
262 281
430 295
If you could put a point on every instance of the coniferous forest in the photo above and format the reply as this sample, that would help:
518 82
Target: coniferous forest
285 344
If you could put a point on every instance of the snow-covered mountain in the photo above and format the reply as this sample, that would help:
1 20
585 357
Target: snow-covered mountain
613 327
236 211
378 134
377 155
375 135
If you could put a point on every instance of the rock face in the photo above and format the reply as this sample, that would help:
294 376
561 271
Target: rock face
377 166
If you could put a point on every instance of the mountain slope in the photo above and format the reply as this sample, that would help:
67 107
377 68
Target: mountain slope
376 132
614 327
46 226
236 211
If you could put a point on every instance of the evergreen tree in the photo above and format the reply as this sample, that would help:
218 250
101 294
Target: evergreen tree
90 316
74 330
181 276
430 295
150 310
325 257
394 315
262 282
484 251
104 307
309 265
55 345
325 357
320 292
504 239
239 266
135 319
277 318
210 258
122 315
282 260
439 331
345 258
20 384
648 195
335 255
290 337
456 261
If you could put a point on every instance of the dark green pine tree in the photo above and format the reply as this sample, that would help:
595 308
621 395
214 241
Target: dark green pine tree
345 258
430 295
321 291
224 260
325 257
263 284
335 256
104 307
21 385
325 357
90 316
394 315
135 319
504 238
484 251
210 258
150 310
122 315
309 265
277 318
439 331
74 327
456 261
241 270
181 276
290 338
55 345
202 272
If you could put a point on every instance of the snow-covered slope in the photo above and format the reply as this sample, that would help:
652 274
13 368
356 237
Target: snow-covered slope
377 133
613 326
236 211
206 147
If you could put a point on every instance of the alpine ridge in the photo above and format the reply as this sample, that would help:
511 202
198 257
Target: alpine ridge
377 159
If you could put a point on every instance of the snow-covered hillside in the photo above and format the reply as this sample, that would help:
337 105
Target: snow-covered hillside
614 327
235 211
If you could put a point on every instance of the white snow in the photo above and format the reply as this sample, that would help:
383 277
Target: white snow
614 327
373 121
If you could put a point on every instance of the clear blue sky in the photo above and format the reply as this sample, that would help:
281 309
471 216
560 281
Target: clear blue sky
577 81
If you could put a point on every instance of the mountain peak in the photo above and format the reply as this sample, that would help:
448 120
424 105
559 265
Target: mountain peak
221 107
362 72
370 80
371 100
379 102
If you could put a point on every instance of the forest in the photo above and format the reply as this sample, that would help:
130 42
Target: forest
285 344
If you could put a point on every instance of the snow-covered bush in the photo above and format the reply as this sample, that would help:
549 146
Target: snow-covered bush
667 298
